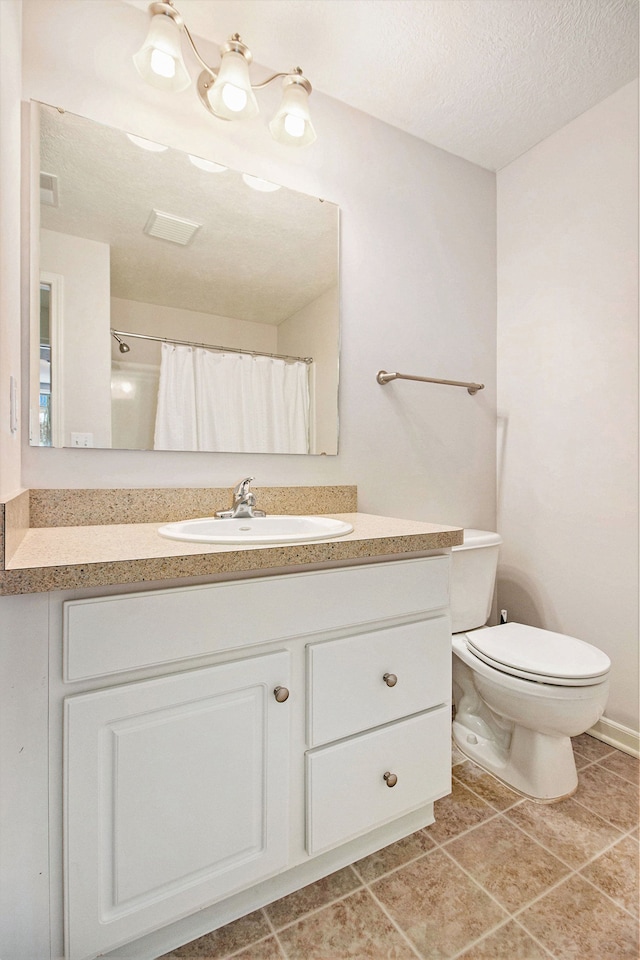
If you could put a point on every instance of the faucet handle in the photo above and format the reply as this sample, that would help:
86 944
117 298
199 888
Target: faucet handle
242 489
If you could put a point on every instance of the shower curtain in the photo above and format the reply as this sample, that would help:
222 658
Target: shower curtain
231 402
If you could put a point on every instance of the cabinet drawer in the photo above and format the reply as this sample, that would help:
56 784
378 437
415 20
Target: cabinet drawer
346 791
105 635
347 689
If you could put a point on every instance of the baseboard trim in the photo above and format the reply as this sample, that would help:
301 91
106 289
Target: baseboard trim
624 738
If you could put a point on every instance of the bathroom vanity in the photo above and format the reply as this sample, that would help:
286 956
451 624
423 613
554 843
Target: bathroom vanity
218 742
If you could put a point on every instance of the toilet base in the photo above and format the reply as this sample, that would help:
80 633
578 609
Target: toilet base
536 765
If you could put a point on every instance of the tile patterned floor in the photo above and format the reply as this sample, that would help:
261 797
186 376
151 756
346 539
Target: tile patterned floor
495 878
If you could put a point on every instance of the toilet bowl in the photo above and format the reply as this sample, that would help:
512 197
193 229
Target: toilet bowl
520 693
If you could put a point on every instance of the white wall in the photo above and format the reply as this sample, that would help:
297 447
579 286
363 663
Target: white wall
161 321
417 271
314 331
568 387
86 378
10 66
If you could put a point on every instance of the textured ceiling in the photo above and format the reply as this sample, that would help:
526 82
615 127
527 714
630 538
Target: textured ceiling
484 79
257 256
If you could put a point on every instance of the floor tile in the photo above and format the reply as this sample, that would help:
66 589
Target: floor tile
589 747
486 786
224 941
581 761
577 922
567 829
510 942
616 873
588 916
263 950
624 765
311 897
353 927
439 908
395 855
456 756
608 795
457 812
512 867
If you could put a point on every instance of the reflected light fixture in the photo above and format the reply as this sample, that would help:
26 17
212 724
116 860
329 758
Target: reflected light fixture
225 91
207 165
147 144
257 183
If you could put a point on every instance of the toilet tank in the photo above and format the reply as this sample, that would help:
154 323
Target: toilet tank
473 576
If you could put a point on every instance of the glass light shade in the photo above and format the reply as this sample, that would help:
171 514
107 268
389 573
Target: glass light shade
159 59
207 165
292 123
147 144
257 183
231 96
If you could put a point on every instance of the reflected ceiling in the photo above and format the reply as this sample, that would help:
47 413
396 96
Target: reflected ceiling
257 256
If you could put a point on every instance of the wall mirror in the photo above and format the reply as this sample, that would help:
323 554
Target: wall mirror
176 304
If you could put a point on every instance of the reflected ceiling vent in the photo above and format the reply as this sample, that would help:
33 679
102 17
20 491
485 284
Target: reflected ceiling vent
167 227
49 189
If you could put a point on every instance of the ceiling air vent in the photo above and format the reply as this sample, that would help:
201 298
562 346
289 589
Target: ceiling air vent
167 227
49 189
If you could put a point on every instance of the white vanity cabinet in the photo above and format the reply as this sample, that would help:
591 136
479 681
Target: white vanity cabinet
229 742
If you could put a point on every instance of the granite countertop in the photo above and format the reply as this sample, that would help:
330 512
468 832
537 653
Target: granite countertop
44 558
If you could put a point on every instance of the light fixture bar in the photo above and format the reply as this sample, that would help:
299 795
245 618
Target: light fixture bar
225 91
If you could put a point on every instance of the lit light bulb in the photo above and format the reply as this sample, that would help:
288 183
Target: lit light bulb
163 64
159 59
294 125
234 97
230 96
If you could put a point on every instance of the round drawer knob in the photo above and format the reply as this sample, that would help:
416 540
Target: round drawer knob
390 679
390 779
281 694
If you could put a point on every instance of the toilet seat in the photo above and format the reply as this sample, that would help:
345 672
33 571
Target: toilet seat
539 655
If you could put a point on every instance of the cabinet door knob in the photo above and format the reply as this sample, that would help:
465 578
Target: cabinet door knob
390 779
390 679
281 694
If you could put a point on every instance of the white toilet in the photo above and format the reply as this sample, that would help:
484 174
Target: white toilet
520 693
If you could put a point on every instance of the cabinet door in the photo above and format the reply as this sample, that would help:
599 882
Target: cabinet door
176 795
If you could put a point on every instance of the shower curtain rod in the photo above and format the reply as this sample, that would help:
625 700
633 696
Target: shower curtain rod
209 346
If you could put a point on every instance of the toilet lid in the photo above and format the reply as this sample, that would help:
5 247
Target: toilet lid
539 654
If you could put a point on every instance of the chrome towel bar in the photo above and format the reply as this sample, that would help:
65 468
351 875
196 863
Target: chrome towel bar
384 377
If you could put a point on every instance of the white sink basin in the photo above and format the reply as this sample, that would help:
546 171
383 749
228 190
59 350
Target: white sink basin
273 529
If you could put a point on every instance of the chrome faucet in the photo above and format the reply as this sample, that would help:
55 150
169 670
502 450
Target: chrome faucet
244 502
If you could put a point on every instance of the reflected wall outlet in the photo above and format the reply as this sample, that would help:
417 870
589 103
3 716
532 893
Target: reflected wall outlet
81 439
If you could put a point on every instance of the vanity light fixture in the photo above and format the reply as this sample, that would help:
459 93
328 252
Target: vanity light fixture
225 91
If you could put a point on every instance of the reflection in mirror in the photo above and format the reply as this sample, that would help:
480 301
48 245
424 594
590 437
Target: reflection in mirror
185 306
44 404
